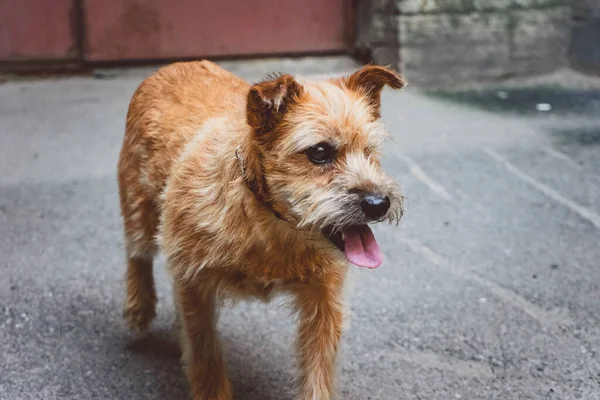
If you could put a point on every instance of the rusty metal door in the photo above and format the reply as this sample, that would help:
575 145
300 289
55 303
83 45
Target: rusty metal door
36 30
168 29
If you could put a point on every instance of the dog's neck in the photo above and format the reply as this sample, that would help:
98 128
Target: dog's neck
253 186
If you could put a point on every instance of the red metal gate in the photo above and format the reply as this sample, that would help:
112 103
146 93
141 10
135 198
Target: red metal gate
32 30
117 30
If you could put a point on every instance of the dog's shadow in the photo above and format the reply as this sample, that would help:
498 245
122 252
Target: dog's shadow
155 345
250 381
97 357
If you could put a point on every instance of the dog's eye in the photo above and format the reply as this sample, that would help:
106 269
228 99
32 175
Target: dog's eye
320 153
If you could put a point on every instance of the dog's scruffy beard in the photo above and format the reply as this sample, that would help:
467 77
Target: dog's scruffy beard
335 212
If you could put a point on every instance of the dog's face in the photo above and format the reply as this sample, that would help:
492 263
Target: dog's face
317 148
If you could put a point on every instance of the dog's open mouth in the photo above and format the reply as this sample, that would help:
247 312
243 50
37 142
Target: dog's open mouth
358 244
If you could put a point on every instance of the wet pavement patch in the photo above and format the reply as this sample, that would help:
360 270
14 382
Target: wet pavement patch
538 100
584 136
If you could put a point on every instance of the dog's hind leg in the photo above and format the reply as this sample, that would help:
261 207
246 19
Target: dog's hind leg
140 219
140 306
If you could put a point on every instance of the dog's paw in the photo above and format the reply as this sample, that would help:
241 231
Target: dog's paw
139 315
224 393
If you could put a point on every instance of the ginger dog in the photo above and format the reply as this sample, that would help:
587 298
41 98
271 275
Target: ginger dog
250 191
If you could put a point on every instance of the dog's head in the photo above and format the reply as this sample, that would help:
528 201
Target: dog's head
315 156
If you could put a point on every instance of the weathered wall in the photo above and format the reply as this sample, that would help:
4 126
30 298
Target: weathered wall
444 42
585 39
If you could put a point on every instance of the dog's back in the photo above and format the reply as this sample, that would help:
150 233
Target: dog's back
166 111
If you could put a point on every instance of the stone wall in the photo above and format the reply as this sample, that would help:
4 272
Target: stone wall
585 37
447 42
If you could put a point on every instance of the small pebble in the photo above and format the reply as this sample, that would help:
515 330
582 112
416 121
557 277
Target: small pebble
495 362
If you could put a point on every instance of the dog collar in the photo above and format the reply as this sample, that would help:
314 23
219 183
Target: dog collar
253 187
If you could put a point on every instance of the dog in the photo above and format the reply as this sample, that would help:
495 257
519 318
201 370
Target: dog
253 190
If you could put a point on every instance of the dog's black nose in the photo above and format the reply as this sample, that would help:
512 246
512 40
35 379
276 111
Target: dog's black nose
374 205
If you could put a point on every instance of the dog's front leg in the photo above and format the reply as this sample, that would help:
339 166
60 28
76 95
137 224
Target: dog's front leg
321 318
202 354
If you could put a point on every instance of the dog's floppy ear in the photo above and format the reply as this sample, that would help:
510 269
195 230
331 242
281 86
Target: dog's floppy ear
370 80
269 100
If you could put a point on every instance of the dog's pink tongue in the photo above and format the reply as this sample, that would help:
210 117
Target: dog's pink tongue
361 248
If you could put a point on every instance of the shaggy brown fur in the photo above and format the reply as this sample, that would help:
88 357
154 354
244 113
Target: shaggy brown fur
216 173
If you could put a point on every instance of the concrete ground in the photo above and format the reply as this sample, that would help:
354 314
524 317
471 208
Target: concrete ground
490 289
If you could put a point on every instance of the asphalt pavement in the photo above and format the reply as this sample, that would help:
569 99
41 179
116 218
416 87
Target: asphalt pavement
490 289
